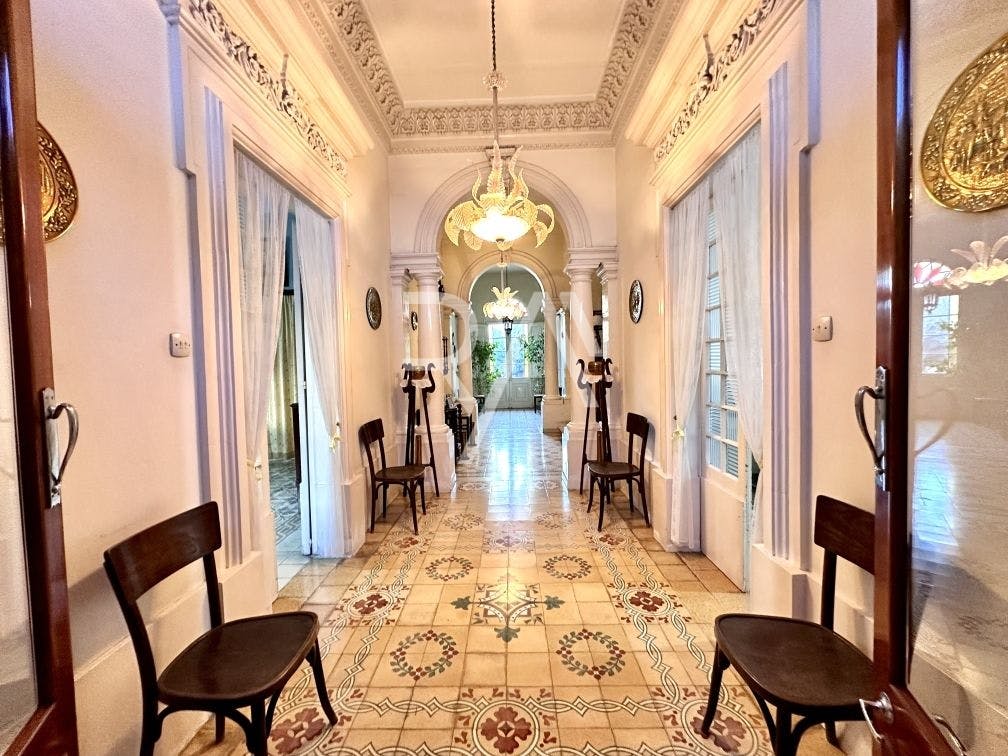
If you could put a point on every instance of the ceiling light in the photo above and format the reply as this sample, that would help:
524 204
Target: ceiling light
506 308
498 215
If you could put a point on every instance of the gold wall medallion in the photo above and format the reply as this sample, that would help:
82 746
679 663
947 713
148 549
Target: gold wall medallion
58 190
964 157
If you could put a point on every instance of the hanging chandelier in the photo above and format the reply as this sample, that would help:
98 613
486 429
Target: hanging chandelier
499 215
506 308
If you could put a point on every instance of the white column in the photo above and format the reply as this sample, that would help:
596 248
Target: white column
398 334
430 348
580 345
554 414
613 301
463 342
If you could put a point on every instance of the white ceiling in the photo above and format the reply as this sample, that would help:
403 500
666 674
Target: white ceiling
549 50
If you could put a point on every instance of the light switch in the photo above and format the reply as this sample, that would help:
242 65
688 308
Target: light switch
822 330
179 345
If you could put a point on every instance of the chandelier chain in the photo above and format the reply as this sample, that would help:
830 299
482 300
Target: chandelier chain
493 33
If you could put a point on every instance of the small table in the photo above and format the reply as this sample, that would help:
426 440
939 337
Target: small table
537 402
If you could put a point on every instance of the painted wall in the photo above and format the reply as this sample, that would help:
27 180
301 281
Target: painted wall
120 282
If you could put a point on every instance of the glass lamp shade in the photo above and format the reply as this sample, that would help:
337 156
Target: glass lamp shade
496 226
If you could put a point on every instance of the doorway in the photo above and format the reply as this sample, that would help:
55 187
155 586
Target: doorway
286 433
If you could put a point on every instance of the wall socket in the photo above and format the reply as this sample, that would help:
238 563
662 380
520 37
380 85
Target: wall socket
179 345
822 329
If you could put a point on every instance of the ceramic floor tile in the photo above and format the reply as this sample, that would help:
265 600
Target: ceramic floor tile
509 625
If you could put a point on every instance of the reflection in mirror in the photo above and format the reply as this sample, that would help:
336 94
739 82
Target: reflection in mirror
959 367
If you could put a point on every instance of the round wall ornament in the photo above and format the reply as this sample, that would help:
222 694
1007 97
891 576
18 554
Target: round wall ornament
636 300
58 189
372 305
964 155
414 319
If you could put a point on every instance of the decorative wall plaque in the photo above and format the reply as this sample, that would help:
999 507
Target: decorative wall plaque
59 189
414 319
372 304
636 301
964 157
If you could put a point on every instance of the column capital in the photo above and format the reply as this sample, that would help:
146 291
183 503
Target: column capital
608 272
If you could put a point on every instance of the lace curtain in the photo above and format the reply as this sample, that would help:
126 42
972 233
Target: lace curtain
688 246
735 187
283 391
263 206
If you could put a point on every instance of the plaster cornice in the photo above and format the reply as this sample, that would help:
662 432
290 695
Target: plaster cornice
347 33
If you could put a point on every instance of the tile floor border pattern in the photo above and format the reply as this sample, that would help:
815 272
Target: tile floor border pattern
591 712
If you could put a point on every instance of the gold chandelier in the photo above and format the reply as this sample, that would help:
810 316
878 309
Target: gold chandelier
507 308
498 215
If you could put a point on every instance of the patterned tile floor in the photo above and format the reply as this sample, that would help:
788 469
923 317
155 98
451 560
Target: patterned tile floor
510 626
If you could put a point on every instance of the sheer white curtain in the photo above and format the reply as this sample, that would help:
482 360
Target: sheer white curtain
735 186
263 205
316 252
688 249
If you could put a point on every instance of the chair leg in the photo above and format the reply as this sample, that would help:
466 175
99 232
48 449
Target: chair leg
255 734
412 504
374 505
643 499
270 711
717 671
591 491
831 735
423 497
384 502
315 660
629 490
603 495
784 744
218 728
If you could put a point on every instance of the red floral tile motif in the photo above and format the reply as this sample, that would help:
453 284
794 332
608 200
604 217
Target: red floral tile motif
553 520
404 669
567 567
506 728
728 733
437 568
295 731
610 667
499 543
462 521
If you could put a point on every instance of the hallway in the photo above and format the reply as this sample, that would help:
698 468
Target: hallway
510 626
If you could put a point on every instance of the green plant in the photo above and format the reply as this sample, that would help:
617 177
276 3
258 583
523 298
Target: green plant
484 370
533 350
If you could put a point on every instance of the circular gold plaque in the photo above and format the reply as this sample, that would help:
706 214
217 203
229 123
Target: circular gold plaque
964 157
58 188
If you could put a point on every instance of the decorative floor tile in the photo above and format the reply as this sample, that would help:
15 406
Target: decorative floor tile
509 625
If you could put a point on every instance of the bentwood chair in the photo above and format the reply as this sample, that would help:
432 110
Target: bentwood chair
410 477
605 474
802 668
237 664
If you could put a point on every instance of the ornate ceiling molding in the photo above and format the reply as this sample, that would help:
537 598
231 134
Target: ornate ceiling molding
711 78
275 91
356 37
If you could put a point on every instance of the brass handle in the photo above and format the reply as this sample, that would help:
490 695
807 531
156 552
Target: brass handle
957 745
58 465
877 445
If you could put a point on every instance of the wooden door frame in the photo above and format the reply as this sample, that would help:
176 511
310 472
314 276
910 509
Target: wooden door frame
52 729
893 546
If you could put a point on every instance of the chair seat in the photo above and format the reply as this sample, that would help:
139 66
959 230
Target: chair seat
799 664
400 473
611 469
241 661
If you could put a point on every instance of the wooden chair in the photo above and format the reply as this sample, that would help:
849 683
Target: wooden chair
235 664
605 474
408 476
802 668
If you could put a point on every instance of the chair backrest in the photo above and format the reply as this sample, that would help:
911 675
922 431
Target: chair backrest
369 433
844 531
137 564
638 427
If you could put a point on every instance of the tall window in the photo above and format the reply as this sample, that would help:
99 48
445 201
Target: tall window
499 340
721 448
519 367
939 325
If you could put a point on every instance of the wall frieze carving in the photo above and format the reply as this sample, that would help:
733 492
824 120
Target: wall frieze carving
280 95
358 39
711 79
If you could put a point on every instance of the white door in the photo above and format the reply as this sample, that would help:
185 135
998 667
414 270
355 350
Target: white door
513 389
724 455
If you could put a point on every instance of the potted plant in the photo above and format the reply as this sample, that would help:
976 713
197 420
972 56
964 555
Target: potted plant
484 370
533 350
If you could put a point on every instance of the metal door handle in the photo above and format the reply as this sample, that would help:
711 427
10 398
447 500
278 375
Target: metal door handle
957 745
57 465
884 706
876 445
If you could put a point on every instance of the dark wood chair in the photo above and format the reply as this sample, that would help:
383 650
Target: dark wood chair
802 668
606 474
408 476
238 664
